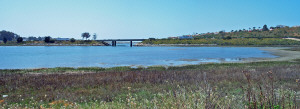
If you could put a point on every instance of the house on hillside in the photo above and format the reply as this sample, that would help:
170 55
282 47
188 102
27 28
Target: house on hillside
151 39
25 39
62 39
172 37
280 26
186 37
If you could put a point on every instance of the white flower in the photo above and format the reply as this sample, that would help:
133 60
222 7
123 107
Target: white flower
4 96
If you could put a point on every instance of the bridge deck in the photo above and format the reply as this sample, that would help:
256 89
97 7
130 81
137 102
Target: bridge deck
122 40
114 41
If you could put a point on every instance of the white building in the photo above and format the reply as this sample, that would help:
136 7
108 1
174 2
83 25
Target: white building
186 37
62 39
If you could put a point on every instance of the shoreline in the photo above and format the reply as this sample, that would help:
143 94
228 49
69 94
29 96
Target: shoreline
54 45
282 53
209 45
152 45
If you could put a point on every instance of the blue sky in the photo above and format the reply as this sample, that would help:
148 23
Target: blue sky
112 19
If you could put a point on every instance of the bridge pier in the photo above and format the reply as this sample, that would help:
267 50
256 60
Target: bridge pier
114 43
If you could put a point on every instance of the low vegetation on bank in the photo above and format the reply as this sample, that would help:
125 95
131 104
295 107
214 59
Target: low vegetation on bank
8 38
43 43
226 85
244 37
233 42
279 31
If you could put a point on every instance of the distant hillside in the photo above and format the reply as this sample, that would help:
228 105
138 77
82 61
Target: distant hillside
273 32
254 37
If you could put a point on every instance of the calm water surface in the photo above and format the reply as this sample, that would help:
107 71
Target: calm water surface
19 57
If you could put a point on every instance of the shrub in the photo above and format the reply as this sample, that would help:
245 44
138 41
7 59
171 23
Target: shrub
4 40
47 39
72 40
52 41
20 39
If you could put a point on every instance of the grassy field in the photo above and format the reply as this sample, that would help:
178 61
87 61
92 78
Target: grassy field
227 85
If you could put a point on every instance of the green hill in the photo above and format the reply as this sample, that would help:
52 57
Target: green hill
255 37
273 32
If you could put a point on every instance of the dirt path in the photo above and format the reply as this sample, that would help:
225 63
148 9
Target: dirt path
296 39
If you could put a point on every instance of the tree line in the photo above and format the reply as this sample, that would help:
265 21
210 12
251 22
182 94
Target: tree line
235 42
265 32
87 35
10 36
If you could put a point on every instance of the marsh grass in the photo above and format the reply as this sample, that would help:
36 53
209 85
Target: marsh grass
227 85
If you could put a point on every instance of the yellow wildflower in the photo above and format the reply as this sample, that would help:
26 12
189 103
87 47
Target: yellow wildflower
1 101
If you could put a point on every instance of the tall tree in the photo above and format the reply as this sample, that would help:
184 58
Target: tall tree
4 39
85 35
8 35
19 39
95 36
72 40
265 28
47 39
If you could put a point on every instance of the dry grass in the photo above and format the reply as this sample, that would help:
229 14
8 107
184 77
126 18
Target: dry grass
254 85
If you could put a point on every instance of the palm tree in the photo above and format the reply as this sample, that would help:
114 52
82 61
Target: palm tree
95 36
85 35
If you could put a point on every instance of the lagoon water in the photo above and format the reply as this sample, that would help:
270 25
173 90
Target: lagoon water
25 57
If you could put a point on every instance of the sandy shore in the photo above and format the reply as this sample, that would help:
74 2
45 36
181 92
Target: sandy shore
296 39
281 52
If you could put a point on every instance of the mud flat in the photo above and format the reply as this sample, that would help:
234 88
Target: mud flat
282 52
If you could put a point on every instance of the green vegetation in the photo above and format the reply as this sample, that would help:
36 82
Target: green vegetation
5 40
227 85
47 39
237 42
256 37
19 39
85 35
53 42
95 36
9 36
11 39
72 40
282 32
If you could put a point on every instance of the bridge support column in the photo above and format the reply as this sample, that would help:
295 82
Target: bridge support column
113 43
131 43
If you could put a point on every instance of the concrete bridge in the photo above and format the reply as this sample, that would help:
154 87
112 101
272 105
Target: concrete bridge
114 41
